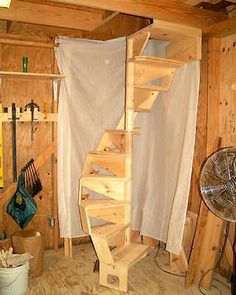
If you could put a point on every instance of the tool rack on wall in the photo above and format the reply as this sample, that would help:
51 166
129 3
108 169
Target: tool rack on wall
23 114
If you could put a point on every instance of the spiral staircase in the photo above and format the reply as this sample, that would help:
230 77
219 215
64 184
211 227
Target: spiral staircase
108 170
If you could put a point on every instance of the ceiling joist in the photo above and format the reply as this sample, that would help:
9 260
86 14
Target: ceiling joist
221 29
171 10
51 15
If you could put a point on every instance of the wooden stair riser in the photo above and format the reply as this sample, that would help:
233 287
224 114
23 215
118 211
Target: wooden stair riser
146 74
139 43
113 141
113 164
185 50
112 214
105 209
114 234
117 241
107 187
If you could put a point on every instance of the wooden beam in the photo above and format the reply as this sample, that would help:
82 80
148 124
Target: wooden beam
107 17
35 32
43 14
221 29
201 134
164 10
209 227
15 39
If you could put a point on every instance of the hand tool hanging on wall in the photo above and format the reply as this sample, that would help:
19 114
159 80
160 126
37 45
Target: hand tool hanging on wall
32 181
22 206
14 156
32 106
1 151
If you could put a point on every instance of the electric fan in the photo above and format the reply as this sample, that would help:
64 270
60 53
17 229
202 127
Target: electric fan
218 183
218 189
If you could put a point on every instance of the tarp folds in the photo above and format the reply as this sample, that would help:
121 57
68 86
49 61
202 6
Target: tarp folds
92 100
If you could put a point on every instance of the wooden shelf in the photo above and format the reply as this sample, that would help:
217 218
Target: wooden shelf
30 76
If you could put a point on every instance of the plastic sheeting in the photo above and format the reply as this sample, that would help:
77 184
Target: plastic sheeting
91 100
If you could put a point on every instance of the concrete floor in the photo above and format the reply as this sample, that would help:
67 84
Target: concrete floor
75 276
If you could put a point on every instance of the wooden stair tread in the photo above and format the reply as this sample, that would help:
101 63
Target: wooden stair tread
157 62
128 255
96 203
108 230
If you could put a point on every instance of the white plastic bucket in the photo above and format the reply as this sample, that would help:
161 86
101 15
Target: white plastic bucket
14 281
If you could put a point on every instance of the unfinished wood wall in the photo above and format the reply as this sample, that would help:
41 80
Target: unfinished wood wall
228 114
41 60
215 129
228 91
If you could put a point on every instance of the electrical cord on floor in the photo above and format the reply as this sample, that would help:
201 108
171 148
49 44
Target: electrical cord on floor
183 275
217 264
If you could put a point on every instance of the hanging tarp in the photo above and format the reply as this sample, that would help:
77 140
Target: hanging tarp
92 100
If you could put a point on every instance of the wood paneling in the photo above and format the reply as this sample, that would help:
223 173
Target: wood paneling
221 132
21 92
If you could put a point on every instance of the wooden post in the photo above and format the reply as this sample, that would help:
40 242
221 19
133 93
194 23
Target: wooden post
129 118
54 204
68 247
209 226
201 134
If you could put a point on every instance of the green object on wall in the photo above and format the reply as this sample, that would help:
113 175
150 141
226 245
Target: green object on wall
25 60
22 206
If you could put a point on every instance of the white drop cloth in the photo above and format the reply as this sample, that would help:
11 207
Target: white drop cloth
91 100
